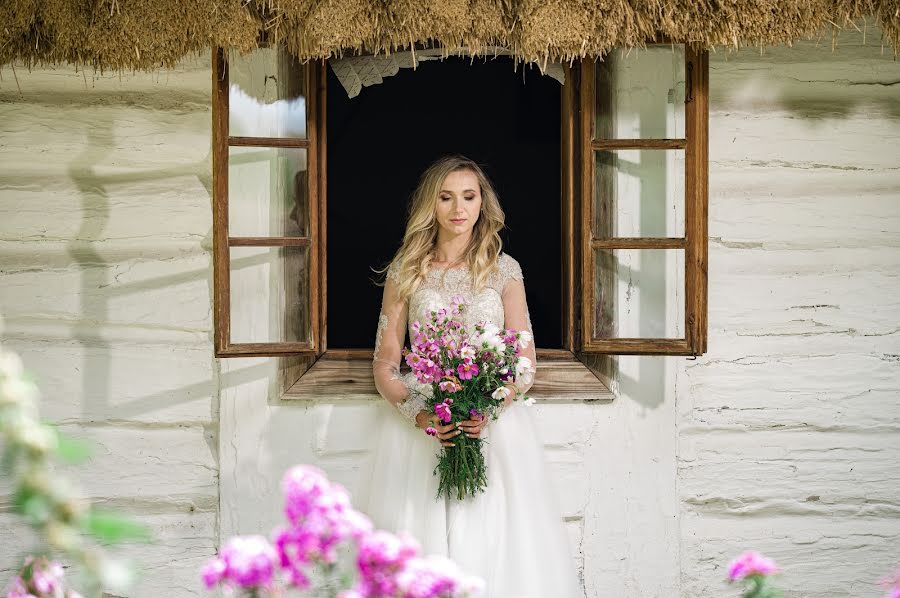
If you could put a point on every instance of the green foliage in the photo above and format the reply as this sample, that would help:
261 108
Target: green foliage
112 528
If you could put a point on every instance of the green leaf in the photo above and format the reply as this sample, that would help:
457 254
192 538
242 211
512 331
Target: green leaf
72 450
33 506
111 527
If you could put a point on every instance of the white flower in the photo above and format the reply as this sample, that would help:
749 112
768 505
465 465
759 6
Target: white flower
524 370
528 401
116 574
10 364
467 352
34 436
18 390
500 394
523 365
525 337
491 329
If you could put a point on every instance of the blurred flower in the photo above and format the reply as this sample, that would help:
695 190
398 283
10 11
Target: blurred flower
751 563
892 584
435 577
381 556
245 561
40 578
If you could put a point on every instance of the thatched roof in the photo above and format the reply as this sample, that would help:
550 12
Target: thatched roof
149 34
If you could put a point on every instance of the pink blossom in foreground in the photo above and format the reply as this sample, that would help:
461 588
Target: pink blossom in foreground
751 563
435 577
381 556
431 431
245 561
892 584
321 518
44 580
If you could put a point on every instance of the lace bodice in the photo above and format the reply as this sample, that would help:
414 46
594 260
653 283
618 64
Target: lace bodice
499 302
442 284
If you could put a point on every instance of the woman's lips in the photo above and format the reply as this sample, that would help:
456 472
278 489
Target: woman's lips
457 220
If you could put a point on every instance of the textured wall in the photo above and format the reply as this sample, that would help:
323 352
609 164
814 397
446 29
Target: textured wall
104 285
784 437
789 428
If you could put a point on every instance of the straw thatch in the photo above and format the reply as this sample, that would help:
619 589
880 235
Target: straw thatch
149 34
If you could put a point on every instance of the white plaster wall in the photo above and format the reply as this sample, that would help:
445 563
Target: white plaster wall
104 285
789 427
782 438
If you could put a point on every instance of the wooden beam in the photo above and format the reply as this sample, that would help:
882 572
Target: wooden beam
336 380
221 258
269 241
624 144
638 243
268 142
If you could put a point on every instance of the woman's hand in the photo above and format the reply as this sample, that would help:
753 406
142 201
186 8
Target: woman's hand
444 433
473 427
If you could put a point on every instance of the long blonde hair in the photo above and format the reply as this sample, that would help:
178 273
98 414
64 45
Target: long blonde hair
412 261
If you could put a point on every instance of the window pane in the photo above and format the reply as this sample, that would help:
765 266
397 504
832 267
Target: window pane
639 193
640 94
267 192
269 294
638 293
266 96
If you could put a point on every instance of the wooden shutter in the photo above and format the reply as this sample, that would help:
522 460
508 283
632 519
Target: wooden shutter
265 204
643 204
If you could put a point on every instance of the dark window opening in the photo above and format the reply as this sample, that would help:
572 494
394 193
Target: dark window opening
380 142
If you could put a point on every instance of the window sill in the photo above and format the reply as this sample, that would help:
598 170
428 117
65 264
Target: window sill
561 378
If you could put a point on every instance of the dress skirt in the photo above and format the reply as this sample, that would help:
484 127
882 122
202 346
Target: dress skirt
511 535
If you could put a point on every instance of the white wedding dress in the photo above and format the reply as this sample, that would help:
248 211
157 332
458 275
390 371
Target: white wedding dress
511 535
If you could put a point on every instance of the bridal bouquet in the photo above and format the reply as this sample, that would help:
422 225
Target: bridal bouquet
467 370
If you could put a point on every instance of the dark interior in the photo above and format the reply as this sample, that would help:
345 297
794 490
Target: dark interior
380 142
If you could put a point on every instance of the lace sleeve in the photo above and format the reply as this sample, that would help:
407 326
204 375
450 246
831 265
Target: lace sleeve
399 390
516 316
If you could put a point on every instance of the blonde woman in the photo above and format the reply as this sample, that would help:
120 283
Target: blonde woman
512 534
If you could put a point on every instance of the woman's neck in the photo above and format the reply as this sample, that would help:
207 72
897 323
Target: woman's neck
451 251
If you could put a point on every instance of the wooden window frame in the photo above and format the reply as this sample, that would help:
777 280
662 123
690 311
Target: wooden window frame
578 371
223 242
696 201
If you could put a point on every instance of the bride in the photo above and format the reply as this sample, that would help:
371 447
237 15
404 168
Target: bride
511 535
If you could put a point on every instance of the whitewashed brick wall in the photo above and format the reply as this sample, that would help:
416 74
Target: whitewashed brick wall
784 437
104 285
789 428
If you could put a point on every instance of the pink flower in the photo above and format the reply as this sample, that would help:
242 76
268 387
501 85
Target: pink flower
431 431
751 563
213 572
467 370
321 518
473 413
45 580
303 486
443 411
249 562
450 385
892 584
381 555
434 577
